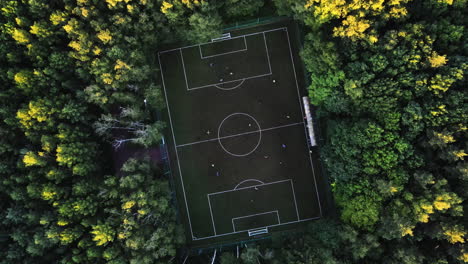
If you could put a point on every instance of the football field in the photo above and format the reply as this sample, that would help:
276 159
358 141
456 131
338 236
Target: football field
239 148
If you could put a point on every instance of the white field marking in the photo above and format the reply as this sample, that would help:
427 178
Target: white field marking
178 163
232 233
175 147
267 52
183 66
211 212
247 78
305 126
250 187
246 35
245 216
215 84
221 54
232 88
295 203
244 154
240 134
247 181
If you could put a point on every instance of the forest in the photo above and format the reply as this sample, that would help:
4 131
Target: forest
387 79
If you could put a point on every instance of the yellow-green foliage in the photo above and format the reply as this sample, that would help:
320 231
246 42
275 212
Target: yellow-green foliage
67 236
24 80
120 65
459 154
113 3
71 26
57 17
454 234
21 36
102 234
166 6
33 159
104 35
49 193
128 205
355 15
423 211
437 60
446 201
39 29
191 3
406 230
37 112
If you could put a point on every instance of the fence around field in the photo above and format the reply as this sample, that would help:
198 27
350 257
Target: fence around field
253 22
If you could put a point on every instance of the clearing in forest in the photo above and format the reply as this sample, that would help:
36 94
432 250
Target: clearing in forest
239 147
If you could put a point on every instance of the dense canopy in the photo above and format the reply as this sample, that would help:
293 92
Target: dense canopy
387 78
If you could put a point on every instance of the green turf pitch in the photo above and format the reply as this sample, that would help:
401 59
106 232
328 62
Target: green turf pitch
238 149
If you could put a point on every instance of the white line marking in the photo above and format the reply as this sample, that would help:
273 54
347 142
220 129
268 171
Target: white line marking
183 66
231 233
243 154
232 88
211 212
250 187
221 54
267 52
199 48
217 84
305 126
240 134
246 35
247 181
294 195
175 147
245 216
247 78
175 144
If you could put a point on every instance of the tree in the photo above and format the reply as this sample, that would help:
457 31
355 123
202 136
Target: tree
128 127
354 21
203 27
324 66
228 258
103 234
236 8
146 228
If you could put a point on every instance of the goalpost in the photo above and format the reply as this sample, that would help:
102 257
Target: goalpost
223 37
260 231
310 124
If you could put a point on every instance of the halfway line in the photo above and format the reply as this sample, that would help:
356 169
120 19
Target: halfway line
240 134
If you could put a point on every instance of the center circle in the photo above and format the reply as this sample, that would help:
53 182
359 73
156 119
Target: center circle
239 134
